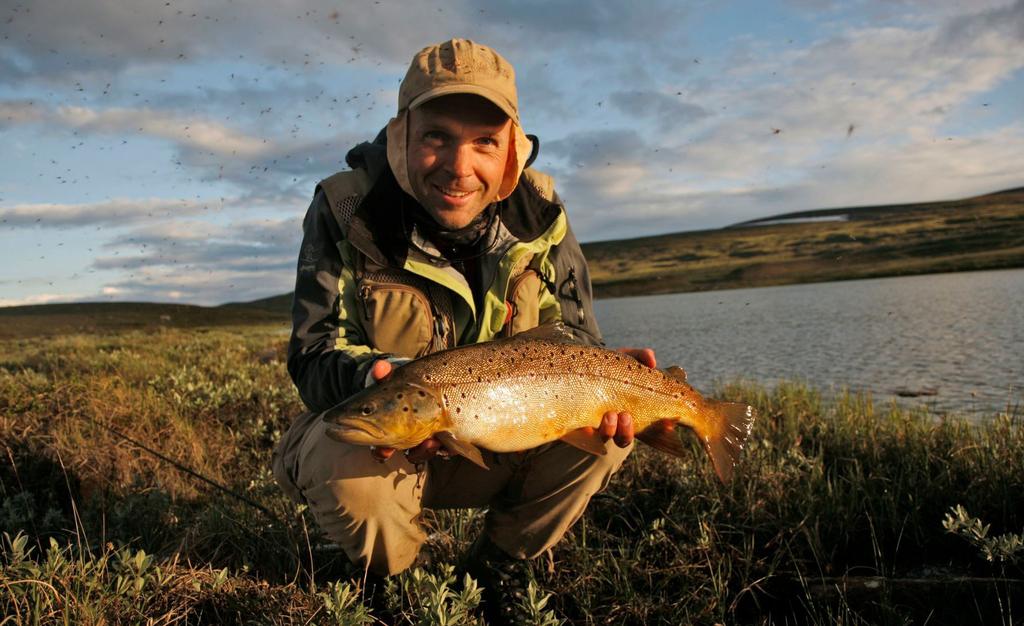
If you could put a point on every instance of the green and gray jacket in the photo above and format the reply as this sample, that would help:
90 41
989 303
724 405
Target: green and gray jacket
369 286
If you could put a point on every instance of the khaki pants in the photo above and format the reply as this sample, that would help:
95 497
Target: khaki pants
372 509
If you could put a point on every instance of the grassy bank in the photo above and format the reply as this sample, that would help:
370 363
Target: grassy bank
841 512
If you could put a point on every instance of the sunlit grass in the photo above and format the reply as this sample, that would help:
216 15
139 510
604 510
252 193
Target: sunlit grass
831 491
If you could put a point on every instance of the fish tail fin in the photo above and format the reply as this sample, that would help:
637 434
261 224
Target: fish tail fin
729 427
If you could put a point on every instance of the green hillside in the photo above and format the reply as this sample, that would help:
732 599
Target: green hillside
985 232
105 317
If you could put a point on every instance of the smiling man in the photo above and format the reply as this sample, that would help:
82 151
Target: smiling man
440 235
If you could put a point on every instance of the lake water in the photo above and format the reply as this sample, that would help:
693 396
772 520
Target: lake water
959 336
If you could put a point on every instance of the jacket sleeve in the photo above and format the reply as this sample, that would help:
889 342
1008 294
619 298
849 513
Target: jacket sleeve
328 356
572 288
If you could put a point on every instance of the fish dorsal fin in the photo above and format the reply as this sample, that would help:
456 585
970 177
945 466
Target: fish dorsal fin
460 447
677 373
586 439
551 331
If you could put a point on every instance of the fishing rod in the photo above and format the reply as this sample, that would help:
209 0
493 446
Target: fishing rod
187 470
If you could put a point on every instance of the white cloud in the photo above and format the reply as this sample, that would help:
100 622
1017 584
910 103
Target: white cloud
188 131
14 112
114 212
212 286
194 133
40 298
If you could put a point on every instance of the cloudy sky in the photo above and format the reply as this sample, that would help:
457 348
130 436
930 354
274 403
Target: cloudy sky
167 150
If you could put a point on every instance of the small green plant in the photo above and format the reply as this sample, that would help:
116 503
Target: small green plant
1005 548
436 601
534 603
343 605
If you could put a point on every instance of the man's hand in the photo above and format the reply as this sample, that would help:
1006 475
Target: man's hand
381 371
619 425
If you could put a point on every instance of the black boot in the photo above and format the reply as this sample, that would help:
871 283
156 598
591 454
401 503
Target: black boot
504 580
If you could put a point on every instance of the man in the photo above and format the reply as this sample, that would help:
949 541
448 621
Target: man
438 236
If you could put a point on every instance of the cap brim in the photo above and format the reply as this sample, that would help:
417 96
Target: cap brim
488 94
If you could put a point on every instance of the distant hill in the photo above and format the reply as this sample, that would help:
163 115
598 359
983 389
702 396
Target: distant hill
99 317
984 232
275 304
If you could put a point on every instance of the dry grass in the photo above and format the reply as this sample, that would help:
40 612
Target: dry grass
831 490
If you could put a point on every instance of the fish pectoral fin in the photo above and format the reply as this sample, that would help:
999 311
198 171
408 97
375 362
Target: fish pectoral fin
677 373
664 439
586 439
460 447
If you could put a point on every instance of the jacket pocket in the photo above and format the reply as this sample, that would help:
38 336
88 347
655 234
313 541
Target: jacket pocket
397 318
524 297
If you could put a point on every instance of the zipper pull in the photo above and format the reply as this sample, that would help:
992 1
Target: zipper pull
440 329
574 291
364 297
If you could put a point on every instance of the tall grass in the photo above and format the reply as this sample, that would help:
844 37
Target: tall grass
840 512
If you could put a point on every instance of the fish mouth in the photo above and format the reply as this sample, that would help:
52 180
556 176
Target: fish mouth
354 430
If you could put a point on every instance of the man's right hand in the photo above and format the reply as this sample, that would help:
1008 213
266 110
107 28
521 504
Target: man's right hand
380 371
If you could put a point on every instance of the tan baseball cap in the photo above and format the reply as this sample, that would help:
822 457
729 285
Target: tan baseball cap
458 66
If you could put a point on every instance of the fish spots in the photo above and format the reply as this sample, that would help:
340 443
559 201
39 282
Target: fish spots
405 409
421 393
400 395
463 394
427 378
458 409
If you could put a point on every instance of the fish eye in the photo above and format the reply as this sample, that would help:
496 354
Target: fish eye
367 409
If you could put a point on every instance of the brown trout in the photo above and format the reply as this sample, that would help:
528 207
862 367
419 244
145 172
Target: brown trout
536 387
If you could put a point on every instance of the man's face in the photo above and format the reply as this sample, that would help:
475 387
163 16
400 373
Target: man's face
458 148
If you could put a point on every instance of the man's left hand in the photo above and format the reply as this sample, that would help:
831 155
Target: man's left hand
619 425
